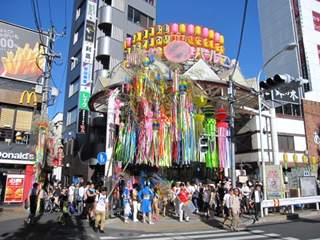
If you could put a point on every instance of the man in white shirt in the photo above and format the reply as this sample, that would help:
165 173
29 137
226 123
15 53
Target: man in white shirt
80 200
246 196
226 206
100 213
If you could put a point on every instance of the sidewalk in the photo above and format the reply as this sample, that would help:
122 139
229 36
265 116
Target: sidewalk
10 212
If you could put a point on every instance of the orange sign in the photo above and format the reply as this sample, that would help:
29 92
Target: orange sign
14 188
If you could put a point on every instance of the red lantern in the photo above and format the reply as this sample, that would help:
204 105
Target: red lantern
221 115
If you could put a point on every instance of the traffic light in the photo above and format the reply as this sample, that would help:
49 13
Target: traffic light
275 82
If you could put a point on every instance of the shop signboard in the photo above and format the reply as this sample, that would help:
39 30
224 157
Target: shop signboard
83 121
21 53
15 152
14 188
308 186
87 66
274 182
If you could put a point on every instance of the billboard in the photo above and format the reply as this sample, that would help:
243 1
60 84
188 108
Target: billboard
20 53
87 66
14 188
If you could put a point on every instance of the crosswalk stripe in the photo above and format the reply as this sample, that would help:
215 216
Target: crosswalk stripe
165 234
254 234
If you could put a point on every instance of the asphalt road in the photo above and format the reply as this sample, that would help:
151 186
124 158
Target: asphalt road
48 228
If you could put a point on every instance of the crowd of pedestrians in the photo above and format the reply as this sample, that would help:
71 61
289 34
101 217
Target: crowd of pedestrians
145 202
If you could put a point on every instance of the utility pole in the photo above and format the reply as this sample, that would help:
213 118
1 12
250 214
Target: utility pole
231 99
50 55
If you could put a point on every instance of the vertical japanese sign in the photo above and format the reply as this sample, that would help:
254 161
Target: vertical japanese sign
87 66
316 20
14 188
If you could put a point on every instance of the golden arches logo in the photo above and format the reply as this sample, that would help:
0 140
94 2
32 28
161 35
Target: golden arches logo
29 95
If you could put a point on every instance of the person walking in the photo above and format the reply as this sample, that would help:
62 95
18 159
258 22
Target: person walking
33 201
155 203
257 199
226 206
195 197
145 196
135 204
80 199
183 196
90 201
126 203
100 211
235 209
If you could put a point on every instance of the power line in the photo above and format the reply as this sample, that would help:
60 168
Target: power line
241 36
50 13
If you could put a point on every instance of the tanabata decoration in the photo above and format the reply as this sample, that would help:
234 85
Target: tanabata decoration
211 156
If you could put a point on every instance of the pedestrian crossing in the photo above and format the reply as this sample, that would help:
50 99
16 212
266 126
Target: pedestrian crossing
201 235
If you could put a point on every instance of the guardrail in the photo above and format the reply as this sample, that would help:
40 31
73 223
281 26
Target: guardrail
288 202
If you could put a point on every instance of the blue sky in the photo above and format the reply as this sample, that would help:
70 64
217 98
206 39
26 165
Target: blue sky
223 16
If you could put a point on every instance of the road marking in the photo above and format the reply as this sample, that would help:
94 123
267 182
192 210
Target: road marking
241 235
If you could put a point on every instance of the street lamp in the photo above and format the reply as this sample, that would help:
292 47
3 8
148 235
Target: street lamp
289 47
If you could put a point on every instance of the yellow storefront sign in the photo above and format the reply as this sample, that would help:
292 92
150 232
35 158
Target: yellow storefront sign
27 96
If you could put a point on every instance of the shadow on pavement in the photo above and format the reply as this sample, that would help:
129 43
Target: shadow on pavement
304 220
73 229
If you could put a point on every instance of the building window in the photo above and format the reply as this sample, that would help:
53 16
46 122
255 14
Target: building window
23 121
316 20
75 37
74 87
6 118
108 2
75 60
151 2
286 143
117 33
118 4
72 116
243 143
139 18
78 13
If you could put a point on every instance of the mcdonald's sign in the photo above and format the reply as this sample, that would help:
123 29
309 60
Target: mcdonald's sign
26 97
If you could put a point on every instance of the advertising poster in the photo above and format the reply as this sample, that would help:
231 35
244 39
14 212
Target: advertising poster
14 188
20 53
274 182
86 66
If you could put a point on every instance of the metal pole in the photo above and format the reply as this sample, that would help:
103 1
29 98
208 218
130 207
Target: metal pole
231 123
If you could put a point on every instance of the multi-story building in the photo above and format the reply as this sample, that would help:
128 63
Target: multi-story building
286 21
19 106
287 132
98 31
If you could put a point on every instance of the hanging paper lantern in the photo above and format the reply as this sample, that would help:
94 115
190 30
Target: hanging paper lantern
182 28
165 39
151 32
199 117
200 101
217 37
190 29
158 41
285 160
211 34
305 159
166 29
295 158
197 30
313 160
221 115
221 41
205 32
174 28
159 30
